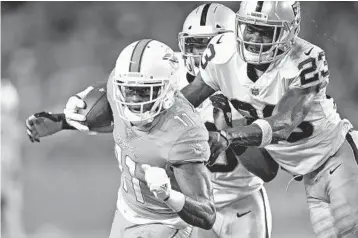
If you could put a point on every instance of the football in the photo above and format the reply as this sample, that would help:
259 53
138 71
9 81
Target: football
97 109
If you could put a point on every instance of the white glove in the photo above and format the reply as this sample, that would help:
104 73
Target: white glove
73 104
158 181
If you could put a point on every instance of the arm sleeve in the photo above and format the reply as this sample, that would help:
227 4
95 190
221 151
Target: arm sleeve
191 146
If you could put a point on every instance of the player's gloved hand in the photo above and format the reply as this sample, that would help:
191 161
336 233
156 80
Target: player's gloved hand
218 143
43 124
220 102
158 181
73 104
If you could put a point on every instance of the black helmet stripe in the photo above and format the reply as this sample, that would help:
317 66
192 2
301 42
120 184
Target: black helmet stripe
204 14
259 6
137 55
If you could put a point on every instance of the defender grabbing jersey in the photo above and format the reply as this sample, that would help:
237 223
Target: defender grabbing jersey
320 134
278 81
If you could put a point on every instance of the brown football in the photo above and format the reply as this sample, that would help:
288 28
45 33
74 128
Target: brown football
97 109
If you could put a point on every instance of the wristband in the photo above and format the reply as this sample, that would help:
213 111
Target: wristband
266 132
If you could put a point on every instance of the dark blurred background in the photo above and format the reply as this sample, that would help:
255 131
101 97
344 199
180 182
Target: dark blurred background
51 50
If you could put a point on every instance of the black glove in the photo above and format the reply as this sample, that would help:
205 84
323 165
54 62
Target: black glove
218 143
219 101
43 124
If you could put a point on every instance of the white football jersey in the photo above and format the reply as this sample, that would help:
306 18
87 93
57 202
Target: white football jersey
321 133
227 186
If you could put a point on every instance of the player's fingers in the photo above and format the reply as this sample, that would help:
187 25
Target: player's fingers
219 104
30 121
28 127
28 131
218 98
85 92
214 154
145 167
78 103
71 115
73 104
30 137
33 132
77 125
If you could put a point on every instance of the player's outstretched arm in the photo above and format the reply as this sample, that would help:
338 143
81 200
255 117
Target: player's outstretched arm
43 124
287 115
197 91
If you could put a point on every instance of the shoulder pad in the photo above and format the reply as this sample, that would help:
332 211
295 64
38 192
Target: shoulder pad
181 116
303 50
305 65
224 47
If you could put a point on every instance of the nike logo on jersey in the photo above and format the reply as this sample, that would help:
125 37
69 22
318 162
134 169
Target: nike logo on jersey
332 170
218 41
242 214
308 52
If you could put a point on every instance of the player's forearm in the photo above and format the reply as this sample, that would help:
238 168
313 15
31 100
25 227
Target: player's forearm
196 211
287 115
197 91
252 135
65 125
60 120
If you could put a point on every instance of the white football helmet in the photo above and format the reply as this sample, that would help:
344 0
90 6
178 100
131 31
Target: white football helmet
283 16
202 24
146 65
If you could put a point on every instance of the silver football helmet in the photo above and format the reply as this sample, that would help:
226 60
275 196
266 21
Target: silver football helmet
202 24
283 17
